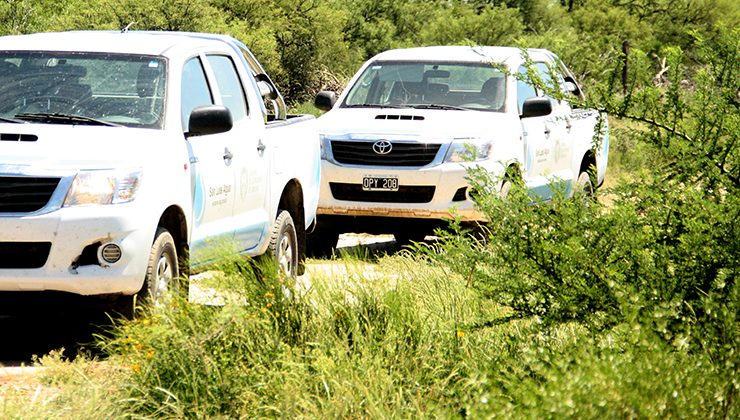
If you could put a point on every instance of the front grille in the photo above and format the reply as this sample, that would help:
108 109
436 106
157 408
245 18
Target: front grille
401 154
24 254
405 194
25 194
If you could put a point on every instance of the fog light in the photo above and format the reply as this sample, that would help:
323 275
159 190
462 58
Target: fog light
110 253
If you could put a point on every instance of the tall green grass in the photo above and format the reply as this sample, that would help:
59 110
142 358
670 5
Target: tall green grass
412 340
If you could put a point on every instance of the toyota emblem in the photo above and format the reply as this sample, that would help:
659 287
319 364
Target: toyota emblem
382 147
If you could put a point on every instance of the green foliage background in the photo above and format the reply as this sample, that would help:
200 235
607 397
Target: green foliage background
307 45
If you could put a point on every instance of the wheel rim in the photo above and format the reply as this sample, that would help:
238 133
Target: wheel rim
505 187
163 276
285 255
587 187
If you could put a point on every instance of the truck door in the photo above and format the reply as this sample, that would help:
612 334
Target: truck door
248 149
537 148
545 139
560 125
212 169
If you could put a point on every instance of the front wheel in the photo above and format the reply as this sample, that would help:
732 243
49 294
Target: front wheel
284 244
506 185
162 277
584 185
162 271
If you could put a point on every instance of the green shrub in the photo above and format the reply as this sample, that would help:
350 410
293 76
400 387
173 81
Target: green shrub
663 256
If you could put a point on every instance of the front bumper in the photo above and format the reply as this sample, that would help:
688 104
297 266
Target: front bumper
73 236
435 192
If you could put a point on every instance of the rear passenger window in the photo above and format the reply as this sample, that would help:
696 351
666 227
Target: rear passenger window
230 86
195 90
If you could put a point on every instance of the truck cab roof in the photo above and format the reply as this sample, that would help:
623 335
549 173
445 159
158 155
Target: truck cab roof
127 42
460 53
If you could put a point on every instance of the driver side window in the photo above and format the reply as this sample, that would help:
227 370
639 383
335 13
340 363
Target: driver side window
195 90
524 88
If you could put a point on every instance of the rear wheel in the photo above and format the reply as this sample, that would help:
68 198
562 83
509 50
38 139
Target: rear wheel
284 244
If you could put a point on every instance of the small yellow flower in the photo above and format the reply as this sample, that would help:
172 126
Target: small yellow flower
138 347
136 368
269 295
269 305
146 322
460 334
150 355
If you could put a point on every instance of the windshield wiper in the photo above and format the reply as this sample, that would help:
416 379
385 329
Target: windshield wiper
11 120
375 106
56 117
438 106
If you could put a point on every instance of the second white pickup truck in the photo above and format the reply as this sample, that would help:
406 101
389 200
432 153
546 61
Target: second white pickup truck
124 156
397 143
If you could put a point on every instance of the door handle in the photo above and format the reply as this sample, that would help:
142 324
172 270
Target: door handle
547 130
568 123
261 147
227 154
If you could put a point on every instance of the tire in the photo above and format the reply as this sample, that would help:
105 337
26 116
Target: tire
506 185
162 271
284 244
321 243
584 185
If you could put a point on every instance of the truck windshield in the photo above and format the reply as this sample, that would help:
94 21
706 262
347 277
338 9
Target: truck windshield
82 88
435 85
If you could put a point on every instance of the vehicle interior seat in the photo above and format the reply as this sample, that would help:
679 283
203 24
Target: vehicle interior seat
67 87
405 92
436 93
493 92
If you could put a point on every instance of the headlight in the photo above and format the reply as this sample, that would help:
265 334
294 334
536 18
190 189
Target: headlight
325 147
468 151
103 187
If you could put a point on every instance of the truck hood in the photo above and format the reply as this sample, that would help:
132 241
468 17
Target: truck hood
54 147
413 124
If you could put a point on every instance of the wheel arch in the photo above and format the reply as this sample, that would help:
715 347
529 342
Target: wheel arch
513 172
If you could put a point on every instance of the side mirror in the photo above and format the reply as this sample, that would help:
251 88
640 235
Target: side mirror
536 107
209 119
266 87
266 90
571 86
325 100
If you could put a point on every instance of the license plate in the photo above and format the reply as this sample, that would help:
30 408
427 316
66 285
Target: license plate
377 183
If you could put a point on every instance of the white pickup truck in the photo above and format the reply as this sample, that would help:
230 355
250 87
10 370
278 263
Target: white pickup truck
398 141
125 155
